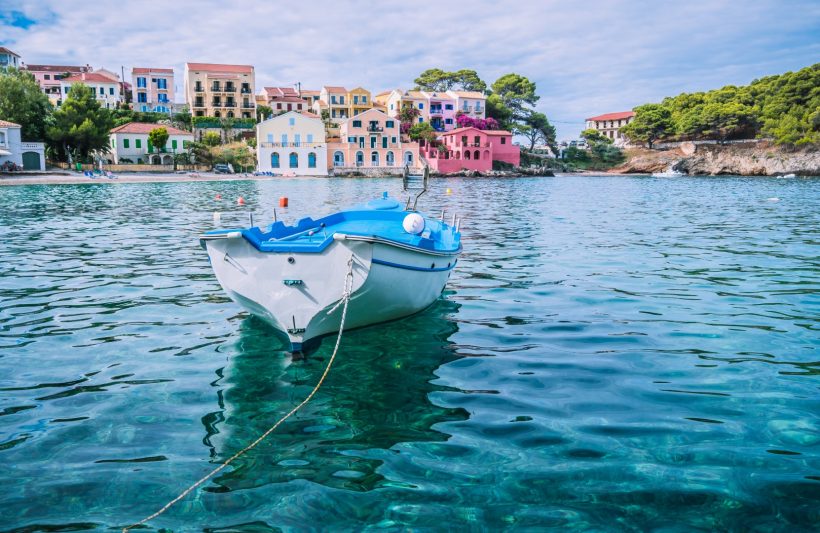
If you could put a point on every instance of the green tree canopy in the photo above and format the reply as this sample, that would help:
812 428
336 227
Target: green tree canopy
496 109
537 128
651 122
263 112
423 131
438 80
211 138
22 102
517 93
158 137
80 126
595 136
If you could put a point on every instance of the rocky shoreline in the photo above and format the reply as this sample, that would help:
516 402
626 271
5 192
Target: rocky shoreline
752 159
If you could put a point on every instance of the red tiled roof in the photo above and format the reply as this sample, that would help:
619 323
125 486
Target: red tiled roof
215 67
146 127
281 91
309 114
459 130
293 99
7 124
147 70
89 76
614 116
310 93
57 68
497 132
4 50
333 89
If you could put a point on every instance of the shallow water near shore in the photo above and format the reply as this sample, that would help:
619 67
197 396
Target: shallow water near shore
611 353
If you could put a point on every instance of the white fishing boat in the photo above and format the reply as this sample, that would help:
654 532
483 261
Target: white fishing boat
392 261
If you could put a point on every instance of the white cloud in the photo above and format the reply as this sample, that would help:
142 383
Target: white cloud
586 57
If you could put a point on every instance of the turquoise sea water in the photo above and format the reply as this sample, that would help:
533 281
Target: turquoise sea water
612 353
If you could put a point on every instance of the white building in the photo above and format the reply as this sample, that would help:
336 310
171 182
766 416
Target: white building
292 143
130 142
470 103
610 124
106 90
13 151
9 59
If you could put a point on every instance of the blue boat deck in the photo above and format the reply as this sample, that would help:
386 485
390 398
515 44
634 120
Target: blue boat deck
381 218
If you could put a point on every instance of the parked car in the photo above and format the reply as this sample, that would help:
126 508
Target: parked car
223 168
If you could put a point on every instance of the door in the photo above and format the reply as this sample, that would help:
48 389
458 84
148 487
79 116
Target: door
31 161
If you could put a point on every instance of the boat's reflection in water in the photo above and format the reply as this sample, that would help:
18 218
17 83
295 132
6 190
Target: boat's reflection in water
377 395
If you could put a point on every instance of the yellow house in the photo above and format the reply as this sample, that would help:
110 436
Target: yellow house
359 100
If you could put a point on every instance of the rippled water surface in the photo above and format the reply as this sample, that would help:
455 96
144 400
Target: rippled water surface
612 353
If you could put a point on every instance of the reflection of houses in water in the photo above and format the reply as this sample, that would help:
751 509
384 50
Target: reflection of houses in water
375 397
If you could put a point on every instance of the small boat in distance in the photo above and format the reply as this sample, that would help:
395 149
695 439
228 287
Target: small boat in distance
293 277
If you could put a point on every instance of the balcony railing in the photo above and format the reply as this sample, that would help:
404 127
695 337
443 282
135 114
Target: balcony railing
199 89
199 104
247 106
291 145
246 90
230 104
374 128
230 89
437 111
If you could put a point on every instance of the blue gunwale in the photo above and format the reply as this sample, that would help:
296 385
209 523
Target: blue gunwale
378 220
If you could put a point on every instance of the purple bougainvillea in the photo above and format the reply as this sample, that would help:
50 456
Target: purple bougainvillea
466 121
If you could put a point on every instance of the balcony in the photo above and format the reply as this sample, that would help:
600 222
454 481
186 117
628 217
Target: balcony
199 89
246 90
436 111
291 145
199 103
375 128
216 104
229 89
230 104
247 106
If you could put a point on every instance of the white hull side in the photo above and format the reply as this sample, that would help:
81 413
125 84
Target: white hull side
381 292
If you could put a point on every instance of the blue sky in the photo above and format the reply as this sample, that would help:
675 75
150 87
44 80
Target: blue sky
587 57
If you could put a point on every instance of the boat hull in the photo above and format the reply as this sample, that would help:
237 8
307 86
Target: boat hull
296 292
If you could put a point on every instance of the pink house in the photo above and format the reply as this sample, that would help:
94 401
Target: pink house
471 149
371 139
442 111
153 89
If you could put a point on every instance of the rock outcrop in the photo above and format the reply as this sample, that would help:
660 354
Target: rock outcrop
753 159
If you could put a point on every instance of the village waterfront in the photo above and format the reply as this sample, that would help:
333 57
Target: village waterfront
612 352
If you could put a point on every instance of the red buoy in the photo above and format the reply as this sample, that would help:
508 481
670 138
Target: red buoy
218 197
240 201
283 201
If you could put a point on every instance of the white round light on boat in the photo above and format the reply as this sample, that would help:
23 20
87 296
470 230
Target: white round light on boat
413 223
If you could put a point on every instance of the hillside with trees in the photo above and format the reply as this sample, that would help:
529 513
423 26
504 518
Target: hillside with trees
784 108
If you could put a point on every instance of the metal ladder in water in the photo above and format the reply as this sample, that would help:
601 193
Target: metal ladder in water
413 180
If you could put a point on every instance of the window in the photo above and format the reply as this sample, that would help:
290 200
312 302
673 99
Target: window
389 124
310 137
374 159
102 91
391 107
279 106
294 160
332 99
311 160
448 121
364 99
284 139
448 107
463 140
125 143
162 83
142 97
3 140
338 159
290 108
297 141
274 160
421 119
47 77
476 155
503 140
111 91
270 137
384 142
391 160
355 99
150 146
291 120
174 144
359 159
393 140
357 123
66 89
476 140
341 99
421 106
140 82
351 139
137 143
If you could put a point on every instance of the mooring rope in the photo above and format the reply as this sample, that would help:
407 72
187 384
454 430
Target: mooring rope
348 287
